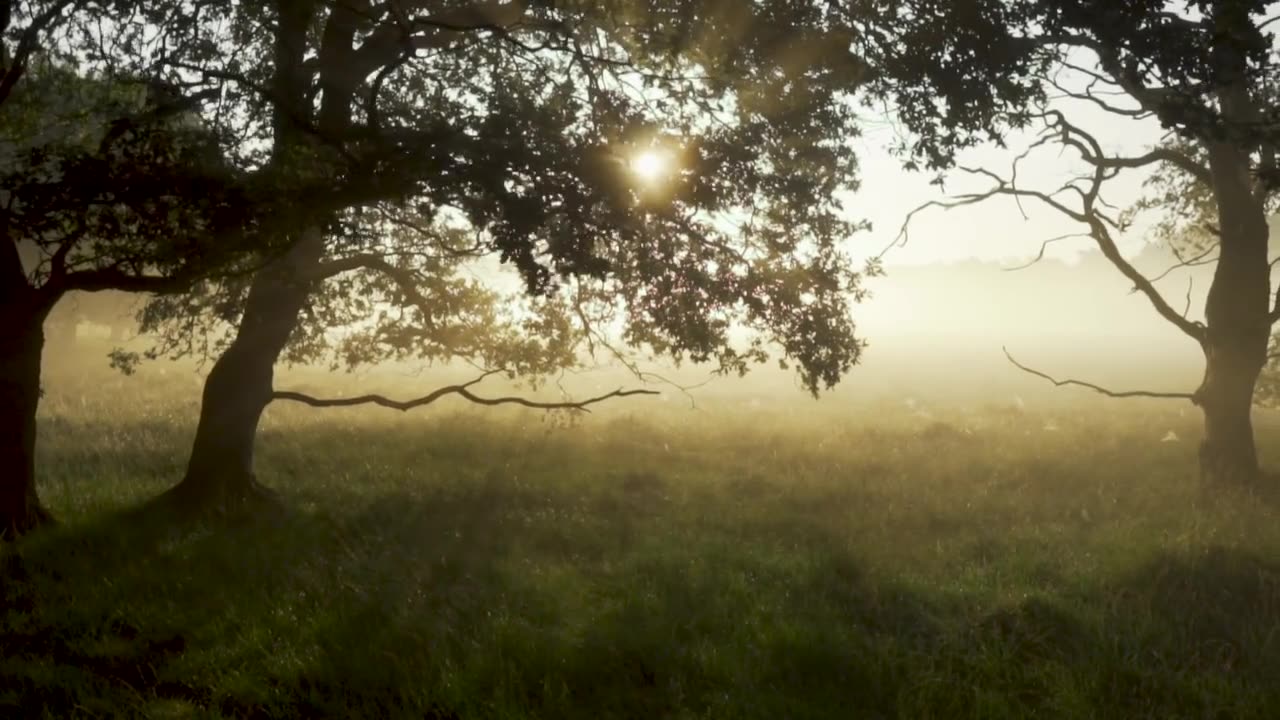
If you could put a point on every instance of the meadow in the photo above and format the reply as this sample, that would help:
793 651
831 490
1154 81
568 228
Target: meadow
741 560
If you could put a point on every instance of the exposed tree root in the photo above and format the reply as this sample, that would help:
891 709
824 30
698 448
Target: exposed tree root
223 498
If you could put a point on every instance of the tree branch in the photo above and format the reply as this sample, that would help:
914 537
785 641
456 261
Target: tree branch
1088 146
1161 154
462 390
1195 261
1098 388
113 278
402 277
1043 247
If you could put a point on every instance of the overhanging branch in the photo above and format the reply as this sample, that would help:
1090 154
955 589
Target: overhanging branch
462 390
1098 388
114 278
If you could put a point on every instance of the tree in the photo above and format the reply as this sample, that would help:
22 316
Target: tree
516 122
966 72
102 190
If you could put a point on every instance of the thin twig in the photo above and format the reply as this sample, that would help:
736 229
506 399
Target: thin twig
1098 388
1045 246
1201 259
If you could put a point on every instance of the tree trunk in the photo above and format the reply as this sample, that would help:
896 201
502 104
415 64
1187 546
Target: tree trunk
21 342
1238 326
220 475
1227 453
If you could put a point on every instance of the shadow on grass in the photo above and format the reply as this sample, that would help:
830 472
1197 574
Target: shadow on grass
501 601
103 619
1191 633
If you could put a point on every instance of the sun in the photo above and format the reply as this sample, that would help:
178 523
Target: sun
651 166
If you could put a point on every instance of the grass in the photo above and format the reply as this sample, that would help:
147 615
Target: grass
797 563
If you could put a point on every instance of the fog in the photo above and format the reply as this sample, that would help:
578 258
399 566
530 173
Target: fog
935 333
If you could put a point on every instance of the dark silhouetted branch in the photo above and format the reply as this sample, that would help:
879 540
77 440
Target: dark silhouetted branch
1090 149
462 390
1158 155
115 278
1098 388
1045 246
1201 259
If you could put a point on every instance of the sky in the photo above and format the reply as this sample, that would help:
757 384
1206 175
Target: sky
949 300
995 230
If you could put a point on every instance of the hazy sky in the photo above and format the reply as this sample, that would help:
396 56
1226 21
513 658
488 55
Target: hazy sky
946 295
994 230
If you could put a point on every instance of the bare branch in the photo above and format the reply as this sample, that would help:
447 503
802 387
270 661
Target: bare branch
1044 246
1098 388
58 263
1193 330
1088 146
595 338
1089 94
904 232
1162 154
463 391
114 278
1195 261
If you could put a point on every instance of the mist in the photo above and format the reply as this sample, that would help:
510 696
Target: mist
936 334
686 359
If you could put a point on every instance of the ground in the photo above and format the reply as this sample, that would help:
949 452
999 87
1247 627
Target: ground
800 561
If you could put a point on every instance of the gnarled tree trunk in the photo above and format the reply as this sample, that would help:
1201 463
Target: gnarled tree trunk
1238 325
219 474
239 387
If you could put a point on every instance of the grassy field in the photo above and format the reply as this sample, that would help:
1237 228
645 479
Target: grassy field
799 561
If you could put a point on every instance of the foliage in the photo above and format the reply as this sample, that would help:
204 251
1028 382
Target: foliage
101 194
959 73
107 181
513 124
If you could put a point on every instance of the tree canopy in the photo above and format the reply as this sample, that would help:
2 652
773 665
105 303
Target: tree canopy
505 130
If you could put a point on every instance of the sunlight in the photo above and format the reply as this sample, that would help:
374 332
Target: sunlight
651 166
